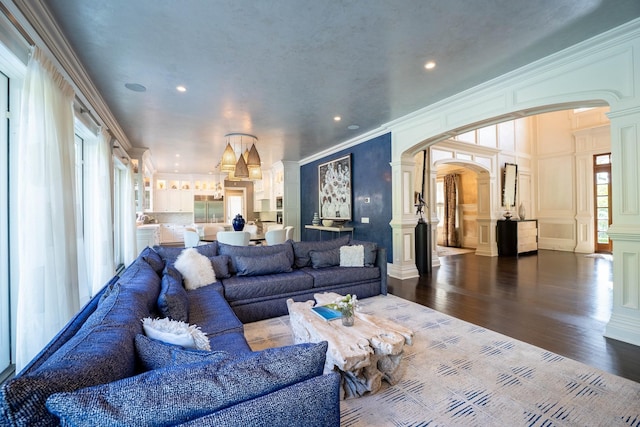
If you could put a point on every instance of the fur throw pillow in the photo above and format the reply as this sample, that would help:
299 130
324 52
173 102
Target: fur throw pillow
352 256
196 269
175 332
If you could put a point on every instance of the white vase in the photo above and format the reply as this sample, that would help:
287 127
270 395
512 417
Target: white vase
522 211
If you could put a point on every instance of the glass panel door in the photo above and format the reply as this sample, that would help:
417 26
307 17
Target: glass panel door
602 197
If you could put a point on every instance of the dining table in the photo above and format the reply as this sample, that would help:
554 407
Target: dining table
255 238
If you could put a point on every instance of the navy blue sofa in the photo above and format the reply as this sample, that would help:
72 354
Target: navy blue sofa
102 370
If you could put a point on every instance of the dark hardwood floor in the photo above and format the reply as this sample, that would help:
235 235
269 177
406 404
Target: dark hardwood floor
559 301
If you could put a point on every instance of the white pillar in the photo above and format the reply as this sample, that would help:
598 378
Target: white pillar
624 232
404 219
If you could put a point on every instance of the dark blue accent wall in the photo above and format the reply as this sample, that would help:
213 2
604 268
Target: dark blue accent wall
370 177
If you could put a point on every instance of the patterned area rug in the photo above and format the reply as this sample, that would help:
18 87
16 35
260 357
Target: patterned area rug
459 374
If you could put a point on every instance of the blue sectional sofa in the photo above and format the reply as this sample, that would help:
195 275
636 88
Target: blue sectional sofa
101 369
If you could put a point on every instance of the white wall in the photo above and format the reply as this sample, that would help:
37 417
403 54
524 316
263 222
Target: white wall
564 175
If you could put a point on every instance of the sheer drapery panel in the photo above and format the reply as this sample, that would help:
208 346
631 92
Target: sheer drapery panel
98 222
47 246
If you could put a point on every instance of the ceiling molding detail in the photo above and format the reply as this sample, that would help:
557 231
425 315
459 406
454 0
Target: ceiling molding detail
39 20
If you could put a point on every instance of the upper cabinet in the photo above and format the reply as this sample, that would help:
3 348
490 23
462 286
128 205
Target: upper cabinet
175 192
262 192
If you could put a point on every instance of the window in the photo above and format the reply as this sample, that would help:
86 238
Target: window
119 181
5 293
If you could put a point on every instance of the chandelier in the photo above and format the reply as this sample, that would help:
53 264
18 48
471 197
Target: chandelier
247 163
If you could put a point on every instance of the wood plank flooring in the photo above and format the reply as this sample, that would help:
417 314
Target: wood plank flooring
559 301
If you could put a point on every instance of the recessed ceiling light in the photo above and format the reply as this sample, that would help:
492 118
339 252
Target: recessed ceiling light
178 155
181 88
175 171
337 118
430 65
136 87
353 127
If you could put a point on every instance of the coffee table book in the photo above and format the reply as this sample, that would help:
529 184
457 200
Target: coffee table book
326 313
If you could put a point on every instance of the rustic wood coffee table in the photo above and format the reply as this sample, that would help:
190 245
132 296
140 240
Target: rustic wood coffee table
364 354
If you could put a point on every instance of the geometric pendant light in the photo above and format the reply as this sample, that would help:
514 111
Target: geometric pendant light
247 164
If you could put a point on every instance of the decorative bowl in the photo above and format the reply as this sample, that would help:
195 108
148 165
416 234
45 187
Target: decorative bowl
327 222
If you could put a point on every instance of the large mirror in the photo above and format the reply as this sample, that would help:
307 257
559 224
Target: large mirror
509 184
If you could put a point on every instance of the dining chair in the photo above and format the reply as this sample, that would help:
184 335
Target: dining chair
251 228
191 238
289 232
273 237
235 238
210 231
275 227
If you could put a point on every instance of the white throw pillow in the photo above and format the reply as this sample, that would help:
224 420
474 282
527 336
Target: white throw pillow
175 332
352 256
196 269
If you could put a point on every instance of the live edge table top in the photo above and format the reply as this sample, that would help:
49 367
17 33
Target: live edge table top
364 354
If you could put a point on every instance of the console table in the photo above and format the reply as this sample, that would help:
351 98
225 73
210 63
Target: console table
515 237
333 229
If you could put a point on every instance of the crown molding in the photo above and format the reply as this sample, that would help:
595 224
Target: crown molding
39 24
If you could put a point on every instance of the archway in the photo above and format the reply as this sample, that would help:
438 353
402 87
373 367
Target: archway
595 73
470 175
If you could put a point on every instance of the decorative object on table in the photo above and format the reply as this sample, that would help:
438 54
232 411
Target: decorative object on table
238 223
327 313
347 305
507 214
522 212
334 189
327 222
316 219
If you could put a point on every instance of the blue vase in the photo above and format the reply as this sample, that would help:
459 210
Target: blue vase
238 223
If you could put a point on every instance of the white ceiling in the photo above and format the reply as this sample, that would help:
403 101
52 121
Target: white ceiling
282 69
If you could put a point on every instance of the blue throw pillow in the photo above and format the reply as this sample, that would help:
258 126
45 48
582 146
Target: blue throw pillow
170 253
156 354
173 301
301 249
254 251
260 265
220 266
180 393
153 259
323 259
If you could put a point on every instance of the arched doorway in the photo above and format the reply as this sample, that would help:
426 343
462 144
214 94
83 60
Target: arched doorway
467 176
596 73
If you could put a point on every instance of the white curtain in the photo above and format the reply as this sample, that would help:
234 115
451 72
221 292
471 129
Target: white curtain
98 223
48 278
129 239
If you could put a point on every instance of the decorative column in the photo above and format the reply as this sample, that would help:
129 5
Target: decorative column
624 324
403 222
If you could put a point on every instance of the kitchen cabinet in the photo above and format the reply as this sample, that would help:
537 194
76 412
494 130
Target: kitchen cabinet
172 195
175 192
262 193
171 233
515 237
147 235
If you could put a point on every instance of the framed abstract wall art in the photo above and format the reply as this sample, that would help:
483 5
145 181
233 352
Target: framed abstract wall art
334 182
